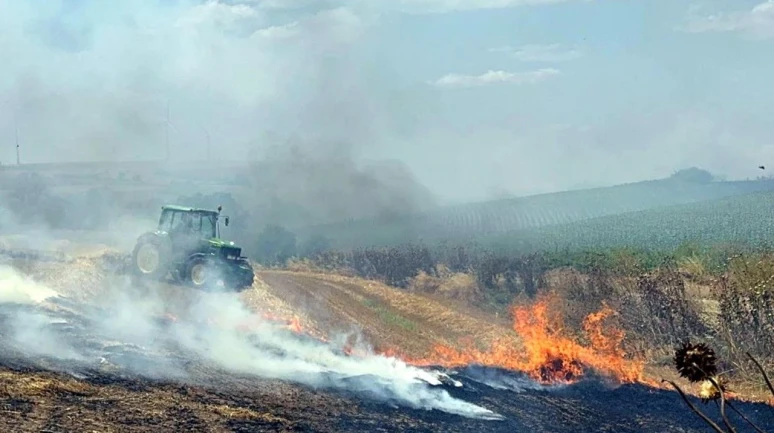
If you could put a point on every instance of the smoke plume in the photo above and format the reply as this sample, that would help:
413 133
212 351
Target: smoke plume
230 84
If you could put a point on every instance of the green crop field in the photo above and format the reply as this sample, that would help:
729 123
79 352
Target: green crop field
551 216
746 220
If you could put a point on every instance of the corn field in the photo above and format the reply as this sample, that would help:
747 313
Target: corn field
579 220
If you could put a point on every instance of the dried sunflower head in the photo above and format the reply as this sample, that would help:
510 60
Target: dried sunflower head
695 361
708 392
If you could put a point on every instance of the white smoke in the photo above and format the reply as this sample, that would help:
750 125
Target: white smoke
125 318
517 383
18 289
280 357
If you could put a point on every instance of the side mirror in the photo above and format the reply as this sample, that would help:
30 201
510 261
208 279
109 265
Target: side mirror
220 208
226 221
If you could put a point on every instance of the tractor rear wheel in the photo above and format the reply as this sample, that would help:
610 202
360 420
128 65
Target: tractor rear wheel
151 258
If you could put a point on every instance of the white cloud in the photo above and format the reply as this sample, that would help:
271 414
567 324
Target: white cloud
282 4
404 6
540 53
440 6
414 7
757 22
341 25
214 12
283 31
495 77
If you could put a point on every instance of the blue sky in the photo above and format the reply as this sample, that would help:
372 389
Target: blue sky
479 98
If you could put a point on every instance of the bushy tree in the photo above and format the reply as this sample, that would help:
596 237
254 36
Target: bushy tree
694 175
315 245
275 245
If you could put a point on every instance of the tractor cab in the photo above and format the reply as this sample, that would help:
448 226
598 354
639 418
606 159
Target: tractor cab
190 228
191 222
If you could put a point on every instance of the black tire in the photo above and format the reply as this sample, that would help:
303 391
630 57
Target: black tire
247 277
201 272
238 275
151 257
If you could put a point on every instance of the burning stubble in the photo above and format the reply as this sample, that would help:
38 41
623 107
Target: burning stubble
125 330
545 354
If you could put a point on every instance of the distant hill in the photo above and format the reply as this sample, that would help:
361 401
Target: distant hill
501 216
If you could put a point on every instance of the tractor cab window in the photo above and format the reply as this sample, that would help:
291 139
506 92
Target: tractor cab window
165 222
207 227
188 223
182 223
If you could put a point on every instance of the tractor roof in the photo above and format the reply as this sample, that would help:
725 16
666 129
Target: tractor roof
186 209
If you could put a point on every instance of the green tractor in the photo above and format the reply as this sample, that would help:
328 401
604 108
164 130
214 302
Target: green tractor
187 245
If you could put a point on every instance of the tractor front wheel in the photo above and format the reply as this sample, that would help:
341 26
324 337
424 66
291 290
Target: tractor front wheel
201 272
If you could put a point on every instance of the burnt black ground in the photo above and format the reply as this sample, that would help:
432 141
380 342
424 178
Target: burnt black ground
588 406
585 407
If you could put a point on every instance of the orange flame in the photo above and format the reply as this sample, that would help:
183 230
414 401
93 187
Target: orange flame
295 325
545 354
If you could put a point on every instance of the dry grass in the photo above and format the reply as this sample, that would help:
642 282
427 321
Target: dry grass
746 313
302 265
695 266
40 386
230 412
456 286
421 308
82 279
261 300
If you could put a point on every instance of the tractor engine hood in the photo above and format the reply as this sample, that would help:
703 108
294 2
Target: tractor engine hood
229 249
220 243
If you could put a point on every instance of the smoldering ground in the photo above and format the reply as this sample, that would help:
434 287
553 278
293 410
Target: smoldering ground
128 332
